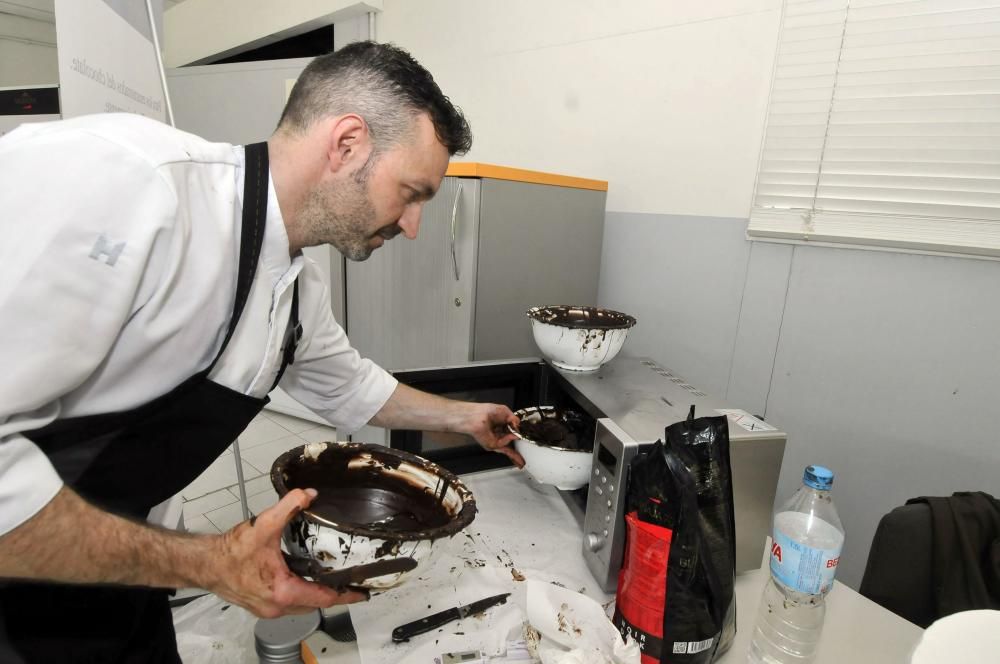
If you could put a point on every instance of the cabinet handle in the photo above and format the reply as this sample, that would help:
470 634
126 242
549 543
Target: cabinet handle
454 220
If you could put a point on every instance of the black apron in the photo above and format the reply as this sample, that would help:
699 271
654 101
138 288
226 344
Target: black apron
126 463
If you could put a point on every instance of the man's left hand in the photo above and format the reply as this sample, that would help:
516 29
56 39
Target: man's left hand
409 408
487 423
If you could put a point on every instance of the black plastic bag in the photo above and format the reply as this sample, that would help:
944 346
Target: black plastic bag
675 589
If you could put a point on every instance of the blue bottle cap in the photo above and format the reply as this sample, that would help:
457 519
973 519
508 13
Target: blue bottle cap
818 477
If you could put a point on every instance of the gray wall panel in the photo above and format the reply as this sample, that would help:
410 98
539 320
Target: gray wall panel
886 366
761 309
888 371
539 244
682 278
234 103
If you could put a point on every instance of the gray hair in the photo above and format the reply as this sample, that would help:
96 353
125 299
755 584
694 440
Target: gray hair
384 85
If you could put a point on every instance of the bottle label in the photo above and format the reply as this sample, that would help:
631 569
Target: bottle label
803 568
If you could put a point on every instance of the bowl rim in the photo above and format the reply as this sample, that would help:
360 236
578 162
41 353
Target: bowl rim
458 523
538 314
521 412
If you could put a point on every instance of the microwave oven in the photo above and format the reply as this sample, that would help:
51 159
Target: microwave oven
631 401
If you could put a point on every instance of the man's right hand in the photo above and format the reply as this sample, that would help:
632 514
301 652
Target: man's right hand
251 571
72 541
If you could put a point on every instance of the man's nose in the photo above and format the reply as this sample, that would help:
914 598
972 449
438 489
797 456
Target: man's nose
410 221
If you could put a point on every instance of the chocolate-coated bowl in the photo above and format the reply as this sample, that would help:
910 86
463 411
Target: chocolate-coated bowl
561 454
374 503
579 338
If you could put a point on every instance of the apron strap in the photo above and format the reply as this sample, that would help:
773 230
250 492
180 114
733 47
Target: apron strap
255 179
293 335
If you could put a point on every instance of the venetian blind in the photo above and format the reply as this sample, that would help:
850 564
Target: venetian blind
883 126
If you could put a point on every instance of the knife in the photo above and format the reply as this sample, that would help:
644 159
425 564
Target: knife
404 632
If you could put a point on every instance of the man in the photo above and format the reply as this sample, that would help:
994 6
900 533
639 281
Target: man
152 291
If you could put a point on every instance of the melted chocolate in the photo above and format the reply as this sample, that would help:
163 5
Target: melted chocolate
585 318
364 496
559 428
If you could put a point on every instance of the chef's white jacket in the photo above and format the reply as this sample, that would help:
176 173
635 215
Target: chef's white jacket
119 246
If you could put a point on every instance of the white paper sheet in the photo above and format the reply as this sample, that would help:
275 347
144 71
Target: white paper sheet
522 531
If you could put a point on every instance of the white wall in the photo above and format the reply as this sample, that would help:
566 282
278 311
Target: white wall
27 52
662 99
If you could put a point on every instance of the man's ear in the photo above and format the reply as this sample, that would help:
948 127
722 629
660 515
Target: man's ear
349 142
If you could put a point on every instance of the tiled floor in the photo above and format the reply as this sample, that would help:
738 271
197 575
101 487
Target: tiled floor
212 504
212 501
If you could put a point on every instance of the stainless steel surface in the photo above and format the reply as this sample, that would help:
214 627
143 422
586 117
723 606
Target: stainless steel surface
487 251
604 522
279 639
640 399
538 244
401 309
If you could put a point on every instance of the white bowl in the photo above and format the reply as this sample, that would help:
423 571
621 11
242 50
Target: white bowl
579 338
381 480
565 468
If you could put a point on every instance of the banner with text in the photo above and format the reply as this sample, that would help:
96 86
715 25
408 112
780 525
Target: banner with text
105 64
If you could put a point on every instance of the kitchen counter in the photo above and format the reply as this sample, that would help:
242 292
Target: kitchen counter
526 530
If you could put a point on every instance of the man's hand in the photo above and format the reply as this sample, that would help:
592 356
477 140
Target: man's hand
409 408
252 572
72 541
487 423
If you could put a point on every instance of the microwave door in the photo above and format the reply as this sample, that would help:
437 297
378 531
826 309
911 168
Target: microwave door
514 383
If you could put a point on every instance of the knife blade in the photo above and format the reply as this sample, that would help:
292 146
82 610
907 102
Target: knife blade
435 620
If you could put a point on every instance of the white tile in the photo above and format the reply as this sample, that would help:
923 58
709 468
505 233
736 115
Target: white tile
262 456
226 517
261 430
293 424
221 474
319 434
207 503
201 525
262 501
253 487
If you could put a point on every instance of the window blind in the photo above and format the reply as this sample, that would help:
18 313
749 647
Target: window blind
883 126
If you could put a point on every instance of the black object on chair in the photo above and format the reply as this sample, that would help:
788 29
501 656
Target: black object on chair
936 556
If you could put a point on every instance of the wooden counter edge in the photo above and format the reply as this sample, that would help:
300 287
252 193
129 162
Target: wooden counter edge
478 170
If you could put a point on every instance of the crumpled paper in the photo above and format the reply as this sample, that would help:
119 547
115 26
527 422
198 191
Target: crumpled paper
575 629
213 631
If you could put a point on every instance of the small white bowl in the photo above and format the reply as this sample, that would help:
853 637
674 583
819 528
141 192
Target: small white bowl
579 338
566 469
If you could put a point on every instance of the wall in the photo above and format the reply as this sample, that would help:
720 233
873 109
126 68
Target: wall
643 93
27 51
885 366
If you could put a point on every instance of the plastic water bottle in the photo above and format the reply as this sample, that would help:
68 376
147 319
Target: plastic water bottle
807 540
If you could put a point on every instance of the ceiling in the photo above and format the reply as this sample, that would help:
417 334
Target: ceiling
44 10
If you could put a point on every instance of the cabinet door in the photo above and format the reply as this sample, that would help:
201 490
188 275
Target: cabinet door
538 245
410 305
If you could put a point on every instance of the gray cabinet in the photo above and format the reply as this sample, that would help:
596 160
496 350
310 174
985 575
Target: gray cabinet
488 249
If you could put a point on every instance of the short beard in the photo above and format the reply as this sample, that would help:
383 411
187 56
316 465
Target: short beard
340 215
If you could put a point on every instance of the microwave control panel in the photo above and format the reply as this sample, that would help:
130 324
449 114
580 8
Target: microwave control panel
604 521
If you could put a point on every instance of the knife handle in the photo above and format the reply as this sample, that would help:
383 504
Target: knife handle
433 621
